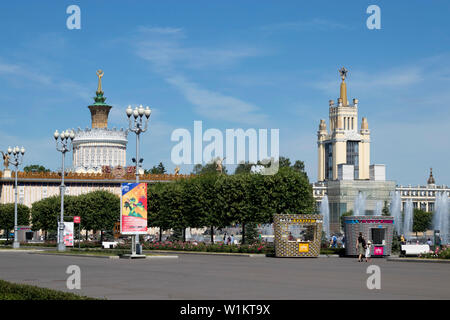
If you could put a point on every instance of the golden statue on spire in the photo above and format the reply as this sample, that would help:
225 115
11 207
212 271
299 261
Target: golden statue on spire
343 72
99 75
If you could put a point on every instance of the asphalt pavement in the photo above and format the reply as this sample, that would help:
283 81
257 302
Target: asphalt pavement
226 278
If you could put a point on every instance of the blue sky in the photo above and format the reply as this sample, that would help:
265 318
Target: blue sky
231 64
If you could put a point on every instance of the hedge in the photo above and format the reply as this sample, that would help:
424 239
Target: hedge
14 291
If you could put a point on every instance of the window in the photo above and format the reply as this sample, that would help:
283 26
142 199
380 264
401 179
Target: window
378 235
353 156
301 232
328 161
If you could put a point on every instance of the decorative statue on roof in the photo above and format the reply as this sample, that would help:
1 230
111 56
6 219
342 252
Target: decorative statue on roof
177 170
5 160
219 166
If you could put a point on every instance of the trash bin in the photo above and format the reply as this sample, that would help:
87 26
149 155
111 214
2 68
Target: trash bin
138 248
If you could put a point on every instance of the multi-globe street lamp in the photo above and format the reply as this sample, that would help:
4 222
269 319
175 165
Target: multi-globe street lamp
137 125
17 158
63 145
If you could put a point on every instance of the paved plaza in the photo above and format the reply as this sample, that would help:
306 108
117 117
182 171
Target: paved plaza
233 277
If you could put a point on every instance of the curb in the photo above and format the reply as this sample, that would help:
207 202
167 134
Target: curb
328 256
20 250
99 256
418 260
75 255
250 255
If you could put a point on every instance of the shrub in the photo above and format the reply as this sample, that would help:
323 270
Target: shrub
13 291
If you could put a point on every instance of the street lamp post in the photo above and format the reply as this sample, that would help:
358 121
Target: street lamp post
63 145
137 125
17 155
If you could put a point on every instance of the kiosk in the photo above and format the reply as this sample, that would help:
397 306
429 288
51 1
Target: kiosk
297 235
378 229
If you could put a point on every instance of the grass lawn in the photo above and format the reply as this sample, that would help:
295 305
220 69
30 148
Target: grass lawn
14 291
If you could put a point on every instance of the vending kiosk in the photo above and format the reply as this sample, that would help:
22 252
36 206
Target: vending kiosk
378 229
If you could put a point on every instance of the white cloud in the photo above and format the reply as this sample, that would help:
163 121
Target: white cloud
19 72
215 105
169 57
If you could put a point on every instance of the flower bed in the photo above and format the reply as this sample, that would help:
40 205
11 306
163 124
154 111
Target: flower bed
438 253
262 248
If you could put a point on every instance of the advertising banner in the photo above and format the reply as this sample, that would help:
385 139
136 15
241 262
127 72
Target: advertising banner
68 234
133 208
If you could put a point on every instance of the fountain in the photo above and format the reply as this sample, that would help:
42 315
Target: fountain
325 212
441 216
408 219
379 208
359 207
395 209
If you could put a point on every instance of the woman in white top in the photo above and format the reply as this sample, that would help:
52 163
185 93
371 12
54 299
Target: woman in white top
368 247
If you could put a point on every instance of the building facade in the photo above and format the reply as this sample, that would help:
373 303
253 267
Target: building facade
343 143
345 175
98 146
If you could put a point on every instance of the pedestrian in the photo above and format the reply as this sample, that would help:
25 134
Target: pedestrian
334 241
429 242
224 237
229 240
343 241
402 240
232 239
368 247
360 246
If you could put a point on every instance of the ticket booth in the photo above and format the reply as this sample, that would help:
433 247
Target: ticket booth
297 235
379 230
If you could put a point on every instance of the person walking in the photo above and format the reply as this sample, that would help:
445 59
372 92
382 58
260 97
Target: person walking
368 247
360 246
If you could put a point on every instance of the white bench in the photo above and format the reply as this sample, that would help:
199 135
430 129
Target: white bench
109 244
414 249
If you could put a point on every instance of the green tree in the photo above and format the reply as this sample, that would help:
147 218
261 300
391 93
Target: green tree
99 210
35 168
159 169
243 168
251 235
421 220
7 217
385 212
45 214
157 216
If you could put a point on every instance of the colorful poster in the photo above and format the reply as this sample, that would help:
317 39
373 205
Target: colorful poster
133 209
68 234
303 247
378 251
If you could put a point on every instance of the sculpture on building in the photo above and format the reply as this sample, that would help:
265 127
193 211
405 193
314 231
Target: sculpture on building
177 170
5 160
219 166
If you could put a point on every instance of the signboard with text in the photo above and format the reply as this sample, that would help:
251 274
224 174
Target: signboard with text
133 208
68 234
77 219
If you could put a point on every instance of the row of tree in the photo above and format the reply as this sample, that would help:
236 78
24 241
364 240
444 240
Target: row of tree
207 200
99 210
218 200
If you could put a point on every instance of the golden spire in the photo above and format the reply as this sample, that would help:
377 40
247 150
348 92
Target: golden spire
99 75
343 72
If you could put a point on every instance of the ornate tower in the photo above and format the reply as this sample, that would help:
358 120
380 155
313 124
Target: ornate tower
343 144
99 110
97 147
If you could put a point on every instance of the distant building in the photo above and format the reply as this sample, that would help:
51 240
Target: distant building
345 175
98 146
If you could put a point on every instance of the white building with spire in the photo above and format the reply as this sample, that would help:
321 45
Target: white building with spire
99 146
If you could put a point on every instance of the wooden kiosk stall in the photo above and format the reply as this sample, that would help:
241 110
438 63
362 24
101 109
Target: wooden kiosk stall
297 235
